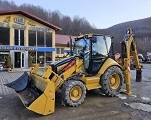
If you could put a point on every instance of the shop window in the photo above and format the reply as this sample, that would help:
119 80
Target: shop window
32 38
4 36
60 50
3 56
43 40
40 39
40 58
33 56
19 37
22 37
48 39
16 37
48 58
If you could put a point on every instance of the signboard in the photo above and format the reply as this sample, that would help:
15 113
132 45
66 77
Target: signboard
26 48
18 48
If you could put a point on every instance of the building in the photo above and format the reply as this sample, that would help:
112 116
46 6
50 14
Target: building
25 36
61 45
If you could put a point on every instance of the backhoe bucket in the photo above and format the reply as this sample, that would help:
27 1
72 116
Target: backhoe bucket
37 92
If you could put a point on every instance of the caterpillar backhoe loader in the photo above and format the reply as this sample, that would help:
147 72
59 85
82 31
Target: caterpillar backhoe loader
91 66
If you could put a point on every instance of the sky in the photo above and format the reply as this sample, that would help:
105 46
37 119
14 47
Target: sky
100 13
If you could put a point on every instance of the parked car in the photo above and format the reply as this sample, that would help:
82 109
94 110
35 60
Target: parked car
148 58
141 58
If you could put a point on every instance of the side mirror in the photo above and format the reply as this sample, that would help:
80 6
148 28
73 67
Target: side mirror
94 40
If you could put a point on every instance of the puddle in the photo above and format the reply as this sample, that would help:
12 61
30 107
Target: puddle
145 98
139 106
124 96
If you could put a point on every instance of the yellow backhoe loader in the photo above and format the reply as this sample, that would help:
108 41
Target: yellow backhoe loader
90 66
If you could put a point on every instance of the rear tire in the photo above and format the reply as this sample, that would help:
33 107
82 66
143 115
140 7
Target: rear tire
73 93
112 81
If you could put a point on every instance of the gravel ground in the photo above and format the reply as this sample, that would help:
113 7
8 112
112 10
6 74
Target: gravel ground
96 106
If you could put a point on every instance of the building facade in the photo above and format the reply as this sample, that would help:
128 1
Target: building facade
25 36
61 45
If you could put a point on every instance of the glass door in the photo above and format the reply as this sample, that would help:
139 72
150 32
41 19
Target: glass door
19 60
22 59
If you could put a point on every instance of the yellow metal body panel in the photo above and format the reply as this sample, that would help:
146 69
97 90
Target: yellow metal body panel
109 62
93 82
45 104
93 86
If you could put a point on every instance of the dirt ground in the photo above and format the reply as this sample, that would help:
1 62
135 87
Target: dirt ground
96 106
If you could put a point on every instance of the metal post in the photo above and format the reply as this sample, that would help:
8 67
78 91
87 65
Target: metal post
45 46
71 53
36 47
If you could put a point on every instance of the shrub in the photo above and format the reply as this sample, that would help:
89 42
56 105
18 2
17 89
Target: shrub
8 61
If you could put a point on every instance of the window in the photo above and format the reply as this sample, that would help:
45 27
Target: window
60 50
4 36
22 37
19 37
48 39
3 56
40 59
32 38
40 39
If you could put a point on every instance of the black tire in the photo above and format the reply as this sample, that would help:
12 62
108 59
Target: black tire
112 81
68 90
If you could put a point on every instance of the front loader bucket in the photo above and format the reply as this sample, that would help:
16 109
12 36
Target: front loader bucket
20 83
37 92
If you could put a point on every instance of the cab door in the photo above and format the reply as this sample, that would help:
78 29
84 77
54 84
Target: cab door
99 53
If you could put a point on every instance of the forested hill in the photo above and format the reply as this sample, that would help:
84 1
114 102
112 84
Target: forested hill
76 25
142 32
70 26
141 27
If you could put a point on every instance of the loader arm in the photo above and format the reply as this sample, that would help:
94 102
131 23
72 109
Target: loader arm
127 45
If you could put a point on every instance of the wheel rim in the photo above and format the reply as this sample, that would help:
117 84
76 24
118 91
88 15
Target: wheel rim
75 93
114 81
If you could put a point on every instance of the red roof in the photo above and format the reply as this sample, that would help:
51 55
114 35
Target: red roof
10 12
63 39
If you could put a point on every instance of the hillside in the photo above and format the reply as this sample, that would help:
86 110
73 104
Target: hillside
142 31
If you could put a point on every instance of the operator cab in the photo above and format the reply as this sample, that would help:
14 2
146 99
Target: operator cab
94 49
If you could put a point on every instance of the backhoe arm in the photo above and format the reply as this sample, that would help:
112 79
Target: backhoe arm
127 45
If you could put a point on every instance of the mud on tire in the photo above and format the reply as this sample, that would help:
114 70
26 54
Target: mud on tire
73 93
111 81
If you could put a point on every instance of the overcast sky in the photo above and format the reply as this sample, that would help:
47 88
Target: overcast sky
101 13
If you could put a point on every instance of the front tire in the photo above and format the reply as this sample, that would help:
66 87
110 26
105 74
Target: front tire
112 81
73 93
